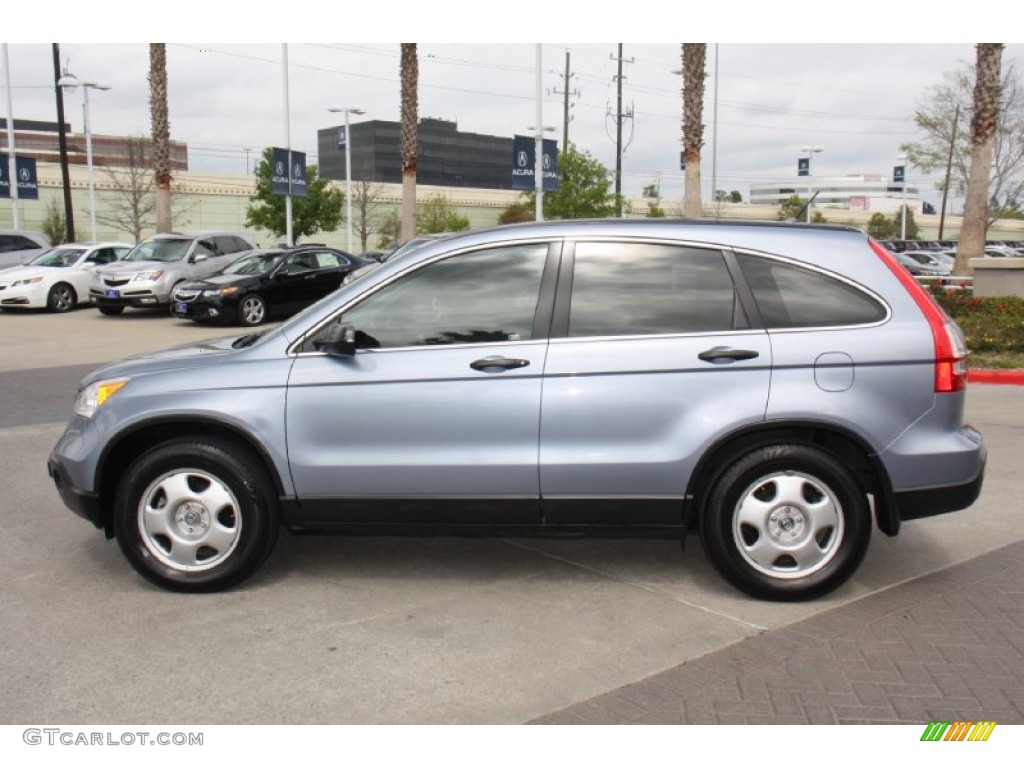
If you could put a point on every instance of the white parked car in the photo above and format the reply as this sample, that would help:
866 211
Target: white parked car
18 246
57 279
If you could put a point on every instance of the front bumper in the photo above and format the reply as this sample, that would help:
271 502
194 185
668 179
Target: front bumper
128 295
82 503
24 296
205 310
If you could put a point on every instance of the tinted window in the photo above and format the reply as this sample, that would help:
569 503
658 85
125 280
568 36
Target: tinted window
793 297
159 250
645 289
225 244
484 296
16 243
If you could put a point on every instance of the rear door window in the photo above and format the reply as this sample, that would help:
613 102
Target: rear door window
651 289
789 296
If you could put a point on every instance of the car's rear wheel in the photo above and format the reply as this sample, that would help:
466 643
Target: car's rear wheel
61 298
196 515
252 310
786 522
111 310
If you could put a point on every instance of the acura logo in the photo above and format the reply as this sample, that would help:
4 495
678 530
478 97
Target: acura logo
522 159
297 171
24 174
547 162
279 168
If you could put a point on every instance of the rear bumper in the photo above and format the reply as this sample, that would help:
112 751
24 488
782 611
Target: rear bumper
928 502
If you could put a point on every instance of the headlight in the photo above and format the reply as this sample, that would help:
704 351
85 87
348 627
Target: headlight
154 274
95 395
26 281
231 290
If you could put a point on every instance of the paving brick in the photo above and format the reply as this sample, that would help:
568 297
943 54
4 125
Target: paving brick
947 646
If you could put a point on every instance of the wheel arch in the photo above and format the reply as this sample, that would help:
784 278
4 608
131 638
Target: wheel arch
121 451
842 444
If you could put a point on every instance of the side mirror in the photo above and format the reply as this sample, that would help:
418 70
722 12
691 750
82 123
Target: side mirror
339 339
199 258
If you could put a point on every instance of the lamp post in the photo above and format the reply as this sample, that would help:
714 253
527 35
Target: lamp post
71 82
810 154
902 159
348 166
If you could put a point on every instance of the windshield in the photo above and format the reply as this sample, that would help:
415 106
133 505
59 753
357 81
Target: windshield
58 257
254 264
159 250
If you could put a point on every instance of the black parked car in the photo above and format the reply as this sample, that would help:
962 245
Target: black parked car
276 281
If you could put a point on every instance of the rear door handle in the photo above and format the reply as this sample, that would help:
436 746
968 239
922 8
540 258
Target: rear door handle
503 363
727 353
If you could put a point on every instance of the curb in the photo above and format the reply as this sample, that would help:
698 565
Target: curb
996 376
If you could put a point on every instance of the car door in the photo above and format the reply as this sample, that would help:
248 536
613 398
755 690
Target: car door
436 417
653 356
295 283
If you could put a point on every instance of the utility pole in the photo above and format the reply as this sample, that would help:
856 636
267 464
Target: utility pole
566 93
619 118
62 138
949 166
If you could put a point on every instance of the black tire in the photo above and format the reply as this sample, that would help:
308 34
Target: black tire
196 515
61 298
252 310
786 522
110 310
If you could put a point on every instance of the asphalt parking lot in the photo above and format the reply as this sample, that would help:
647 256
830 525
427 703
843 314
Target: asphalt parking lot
372 630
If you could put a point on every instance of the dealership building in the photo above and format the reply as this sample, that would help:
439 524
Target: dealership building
858 192
447 157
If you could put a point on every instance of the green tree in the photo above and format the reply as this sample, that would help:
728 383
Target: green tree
438 214
584 189
53 225
880 227
945 119
655 211
515 213
792 209
912 229
389 230
735 196
319 211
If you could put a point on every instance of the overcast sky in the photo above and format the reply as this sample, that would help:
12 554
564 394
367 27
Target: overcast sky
856 100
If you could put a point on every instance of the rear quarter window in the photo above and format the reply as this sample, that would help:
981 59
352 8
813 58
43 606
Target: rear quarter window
789 296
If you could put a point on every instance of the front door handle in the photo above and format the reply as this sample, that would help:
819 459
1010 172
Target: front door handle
727 353
503 363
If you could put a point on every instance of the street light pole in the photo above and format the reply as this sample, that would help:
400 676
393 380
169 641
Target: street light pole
71 82
810 154
348 166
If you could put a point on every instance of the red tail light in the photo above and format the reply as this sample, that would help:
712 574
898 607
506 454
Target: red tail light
950 347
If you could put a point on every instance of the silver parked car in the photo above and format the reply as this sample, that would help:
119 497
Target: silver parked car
780 388
146 276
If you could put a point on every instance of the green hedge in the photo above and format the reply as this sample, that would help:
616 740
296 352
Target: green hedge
990 323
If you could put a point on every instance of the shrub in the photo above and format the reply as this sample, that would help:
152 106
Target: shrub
990 323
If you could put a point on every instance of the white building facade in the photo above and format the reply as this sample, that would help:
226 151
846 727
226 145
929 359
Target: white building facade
859 192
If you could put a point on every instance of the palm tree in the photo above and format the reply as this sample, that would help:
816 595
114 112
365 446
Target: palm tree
410 108
693 125
987 86
161 128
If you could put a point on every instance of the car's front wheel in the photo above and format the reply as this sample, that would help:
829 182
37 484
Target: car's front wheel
196 515
252 310
61 298
786 522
